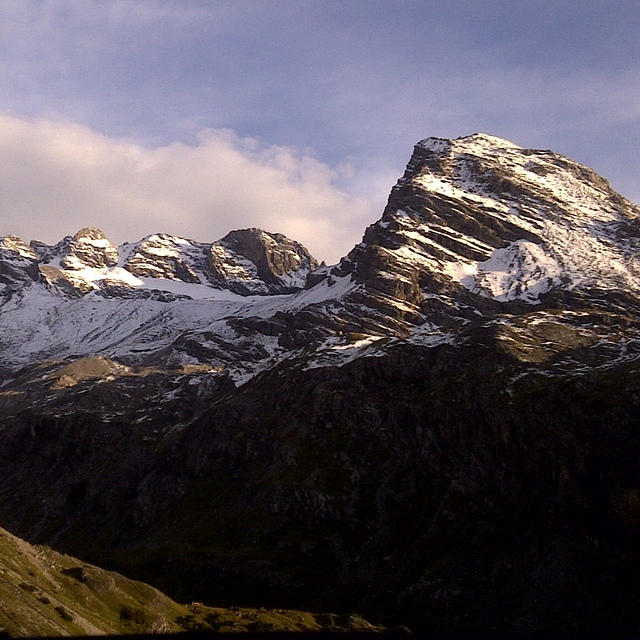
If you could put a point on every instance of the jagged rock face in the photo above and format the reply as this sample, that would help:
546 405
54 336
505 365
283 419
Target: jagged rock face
164 256
251 261
18 262
245 262
87 248
482 216
68 266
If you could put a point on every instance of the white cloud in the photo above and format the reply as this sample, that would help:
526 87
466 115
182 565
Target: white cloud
58 177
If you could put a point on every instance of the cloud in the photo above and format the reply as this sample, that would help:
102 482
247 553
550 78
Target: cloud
58 177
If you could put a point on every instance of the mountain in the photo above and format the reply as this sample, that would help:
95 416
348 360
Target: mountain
439 431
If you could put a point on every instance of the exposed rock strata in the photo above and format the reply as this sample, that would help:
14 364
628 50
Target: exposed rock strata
251 261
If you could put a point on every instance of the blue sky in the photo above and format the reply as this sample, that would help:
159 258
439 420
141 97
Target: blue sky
201 116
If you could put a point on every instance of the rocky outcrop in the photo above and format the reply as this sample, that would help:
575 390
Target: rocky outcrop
165 256
252 261
87 248
18 263
245 262
65 266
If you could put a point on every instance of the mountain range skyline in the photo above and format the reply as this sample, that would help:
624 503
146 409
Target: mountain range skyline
145 117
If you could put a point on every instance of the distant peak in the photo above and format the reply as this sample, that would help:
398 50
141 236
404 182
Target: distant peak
88 248
251 232
280 264
254 239
90 233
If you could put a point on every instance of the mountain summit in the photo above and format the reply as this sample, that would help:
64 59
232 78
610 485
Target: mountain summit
483 216
441 430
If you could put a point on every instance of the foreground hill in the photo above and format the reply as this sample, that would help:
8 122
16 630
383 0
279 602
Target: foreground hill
45 593
440 431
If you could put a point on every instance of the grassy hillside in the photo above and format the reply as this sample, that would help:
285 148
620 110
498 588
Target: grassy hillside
45 593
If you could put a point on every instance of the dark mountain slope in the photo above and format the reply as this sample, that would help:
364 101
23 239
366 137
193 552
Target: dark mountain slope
394 486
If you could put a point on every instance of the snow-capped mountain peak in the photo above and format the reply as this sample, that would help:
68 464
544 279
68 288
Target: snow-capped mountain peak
165 256
506 223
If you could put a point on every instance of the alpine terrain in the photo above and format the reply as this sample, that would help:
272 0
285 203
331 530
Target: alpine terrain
441 431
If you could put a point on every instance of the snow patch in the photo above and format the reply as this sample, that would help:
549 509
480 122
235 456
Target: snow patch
522 271
437 145
338 351
193 291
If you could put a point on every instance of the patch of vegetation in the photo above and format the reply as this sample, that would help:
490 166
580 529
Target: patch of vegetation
214 620
132 614
99 600
354 336
64 614
190 623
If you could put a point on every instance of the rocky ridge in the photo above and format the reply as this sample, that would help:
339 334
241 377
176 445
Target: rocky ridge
261 262
440 430
482 216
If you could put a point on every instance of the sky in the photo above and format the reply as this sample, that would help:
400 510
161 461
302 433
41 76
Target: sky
296 116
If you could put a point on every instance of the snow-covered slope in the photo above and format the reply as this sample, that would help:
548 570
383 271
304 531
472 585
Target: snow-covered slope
164 300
